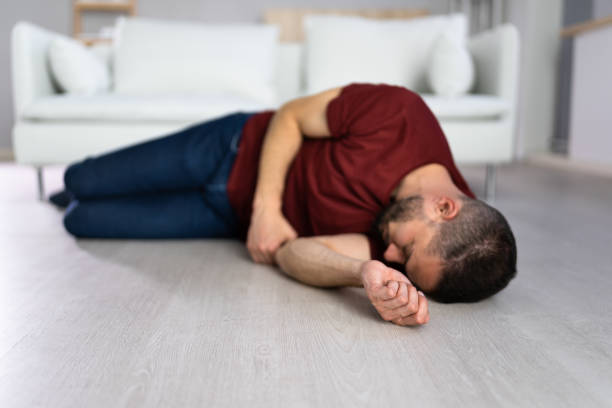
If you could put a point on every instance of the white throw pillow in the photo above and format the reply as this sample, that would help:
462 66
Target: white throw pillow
76 69
342 49
451 69
161 57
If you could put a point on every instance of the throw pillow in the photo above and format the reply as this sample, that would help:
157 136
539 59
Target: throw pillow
451 69
76 69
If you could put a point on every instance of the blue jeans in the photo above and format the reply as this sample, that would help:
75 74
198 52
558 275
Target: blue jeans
173 186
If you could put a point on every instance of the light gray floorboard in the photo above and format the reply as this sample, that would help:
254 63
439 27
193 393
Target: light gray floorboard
182 323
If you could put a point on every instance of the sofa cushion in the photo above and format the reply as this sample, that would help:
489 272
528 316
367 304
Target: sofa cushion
466 107
112 107
451 69
342 49
76 69
177 108
160 57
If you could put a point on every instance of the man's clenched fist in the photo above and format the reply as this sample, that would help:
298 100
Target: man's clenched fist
269 229
393 296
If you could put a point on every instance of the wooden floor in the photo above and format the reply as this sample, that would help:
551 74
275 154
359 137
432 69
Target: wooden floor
185 323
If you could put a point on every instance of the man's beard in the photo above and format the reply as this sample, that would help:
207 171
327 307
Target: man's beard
404 209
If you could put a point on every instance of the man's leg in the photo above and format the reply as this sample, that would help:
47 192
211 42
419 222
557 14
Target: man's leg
184 214
186 159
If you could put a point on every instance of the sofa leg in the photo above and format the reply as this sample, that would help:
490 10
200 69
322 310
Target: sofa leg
490 180
41 185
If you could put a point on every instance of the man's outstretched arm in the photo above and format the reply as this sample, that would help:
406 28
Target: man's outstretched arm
344 260
325 261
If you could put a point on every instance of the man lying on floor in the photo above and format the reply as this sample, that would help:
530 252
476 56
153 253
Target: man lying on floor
347 187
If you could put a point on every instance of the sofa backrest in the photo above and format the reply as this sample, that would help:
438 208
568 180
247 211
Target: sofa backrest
290 71
337 50
495 55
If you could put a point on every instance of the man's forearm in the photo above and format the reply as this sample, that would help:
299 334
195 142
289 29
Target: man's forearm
311 262
280 146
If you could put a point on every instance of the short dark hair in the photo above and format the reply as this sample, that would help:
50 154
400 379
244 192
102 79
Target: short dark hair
478 254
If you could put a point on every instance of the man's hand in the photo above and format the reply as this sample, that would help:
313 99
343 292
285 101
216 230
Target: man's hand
269 229
393 295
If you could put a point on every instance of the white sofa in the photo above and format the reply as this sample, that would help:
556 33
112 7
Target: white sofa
55 128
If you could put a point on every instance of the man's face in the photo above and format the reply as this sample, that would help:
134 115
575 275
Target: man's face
407 240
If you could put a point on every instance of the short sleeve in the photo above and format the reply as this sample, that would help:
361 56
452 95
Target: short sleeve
365 108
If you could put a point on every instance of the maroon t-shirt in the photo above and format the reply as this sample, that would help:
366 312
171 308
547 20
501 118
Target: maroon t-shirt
379 133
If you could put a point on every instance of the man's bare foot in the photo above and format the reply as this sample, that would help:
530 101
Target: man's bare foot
393 296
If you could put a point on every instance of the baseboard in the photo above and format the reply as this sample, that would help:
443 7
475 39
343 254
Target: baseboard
6 154
563 162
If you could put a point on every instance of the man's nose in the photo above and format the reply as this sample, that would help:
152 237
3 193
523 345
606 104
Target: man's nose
391 254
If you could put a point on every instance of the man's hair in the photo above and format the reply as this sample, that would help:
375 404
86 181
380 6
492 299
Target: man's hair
478 254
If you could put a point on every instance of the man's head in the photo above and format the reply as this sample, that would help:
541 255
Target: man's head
455 249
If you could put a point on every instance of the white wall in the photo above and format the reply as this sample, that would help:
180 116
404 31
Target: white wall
602 8
590 120
539 24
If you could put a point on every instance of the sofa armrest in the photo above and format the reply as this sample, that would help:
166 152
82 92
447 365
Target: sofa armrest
30 73
496 55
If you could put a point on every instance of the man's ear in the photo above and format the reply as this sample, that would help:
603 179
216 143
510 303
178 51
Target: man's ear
447 208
